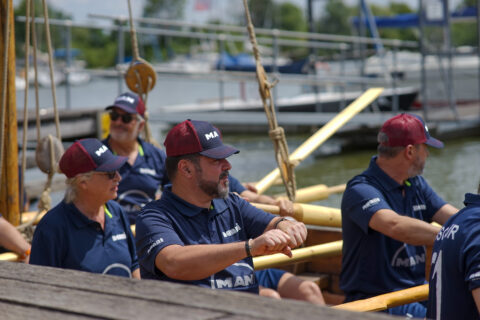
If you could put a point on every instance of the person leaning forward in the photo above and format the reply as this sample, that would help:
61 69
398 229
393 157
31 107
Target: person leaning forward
454 286
143 175
86 230
386 215
199 233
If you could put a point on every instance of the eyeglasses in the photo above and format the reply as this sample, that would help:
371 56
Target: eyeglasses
126 117
110 174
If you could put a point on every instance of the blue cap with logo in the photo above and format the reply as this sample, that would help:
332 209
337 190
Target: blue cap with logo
89 155
129 102
193 136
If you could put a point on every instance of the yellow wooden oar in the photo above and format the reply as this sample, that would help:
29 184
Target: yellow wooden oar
309 214
8 256
322 135
325 250
315 193
388 300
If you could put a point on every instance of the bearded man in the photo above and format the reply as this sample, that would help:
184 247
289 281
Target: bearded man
386 215
200 233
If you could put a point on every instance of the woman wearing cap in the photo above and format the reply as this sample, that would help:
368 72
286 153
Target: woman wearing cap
87 231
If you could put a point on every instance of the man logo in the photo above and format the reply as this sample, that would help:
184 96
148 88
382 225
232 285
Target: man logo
211 135
126 98
101 150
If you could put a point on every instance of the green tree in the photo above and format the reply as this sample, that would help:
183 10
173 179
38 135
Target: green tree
290 17
335 18
166 9
55 32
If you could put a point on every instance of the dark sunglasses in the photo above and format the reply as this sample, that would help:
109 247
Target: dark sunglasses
110 174
126 117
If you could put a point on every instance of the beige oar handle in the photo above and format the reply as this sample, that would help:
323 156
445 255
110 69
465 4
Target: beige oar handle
388 300
315 193
325 250
312 143
309 214
9 256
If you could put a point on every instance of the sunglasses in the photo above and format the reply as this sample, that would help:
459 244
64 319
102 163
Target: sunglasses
126 117
110 174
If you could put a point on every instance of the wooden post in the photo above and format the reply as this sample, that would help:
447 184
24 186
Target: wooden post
9 199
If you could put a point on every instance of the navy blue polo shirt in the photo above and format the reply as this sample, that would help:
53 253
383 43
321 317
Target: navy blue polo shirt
455 270
142 181
235 185
373 263
171 220
66 238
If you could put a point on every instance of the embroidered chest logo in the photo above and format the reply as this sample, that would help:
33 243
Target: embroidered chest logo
419 207
232 231
149 171
120 236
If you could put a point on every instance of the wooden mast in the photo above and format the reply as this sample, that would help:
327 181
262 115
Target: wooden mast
9 199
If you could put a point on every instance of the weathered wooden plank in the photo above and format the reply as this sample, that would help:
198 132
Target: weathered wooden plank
95 304
123 292
11 311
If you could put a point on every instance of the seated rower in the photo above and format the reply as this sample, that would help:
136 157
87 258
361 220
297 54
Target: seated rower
199 233
87 230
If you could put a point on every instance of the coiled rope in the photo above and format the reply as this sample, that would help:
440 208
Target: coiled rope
276 133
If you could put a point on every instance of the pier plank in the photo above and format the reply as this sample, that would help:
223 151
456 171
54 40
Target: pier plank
83 294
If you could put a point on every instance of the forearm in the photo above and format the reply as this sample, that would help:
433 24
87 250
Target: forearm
414 231
11 238
195 262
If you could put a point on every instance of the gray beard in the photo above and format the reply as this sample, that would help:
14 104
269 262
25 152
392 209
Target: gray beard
214 189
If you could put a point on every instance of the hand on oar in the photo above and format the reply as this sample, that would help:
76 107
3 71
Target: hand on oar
296 230
272 241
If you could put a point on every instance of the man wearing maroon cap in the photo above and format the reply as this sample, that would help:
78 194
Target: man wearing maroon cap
199 233
144 172
386 215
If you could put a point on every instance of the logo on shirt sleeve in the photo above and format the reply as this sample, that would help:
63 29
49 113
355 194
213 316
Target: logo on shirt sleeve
370 203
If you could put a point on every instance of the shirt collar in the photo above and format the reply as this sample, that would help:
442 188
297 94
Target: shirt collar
78 218
381 176
471 198
188 209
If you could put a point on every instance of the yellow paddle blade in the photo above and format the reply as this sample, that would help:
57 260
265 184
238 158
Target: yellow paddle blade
312 143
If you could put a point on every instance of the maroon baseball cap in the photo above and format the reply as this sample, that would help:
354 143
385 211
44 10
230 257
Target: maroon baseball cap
129 102
89 155
405 129
192 136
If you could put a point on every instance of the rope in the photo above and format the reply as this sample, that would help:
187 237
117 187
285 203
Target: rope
4 87
133 34
35 74
25 103
276 133
141 92
50 65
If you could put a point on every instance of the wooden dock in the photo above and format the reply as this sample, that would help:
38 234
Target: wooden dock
34 292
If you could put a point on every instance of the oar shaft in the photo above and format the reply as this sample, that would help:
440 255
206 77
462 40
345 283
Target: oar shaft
323 134
315 193
319 251
309 214
388 300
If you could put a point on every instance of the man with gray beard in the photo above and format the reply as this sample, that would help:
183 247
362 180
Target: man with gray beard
386 215
143 175
198 232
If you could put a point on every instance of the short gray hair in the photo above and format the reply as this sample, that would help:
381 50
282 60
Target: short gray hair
72 185
386 151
